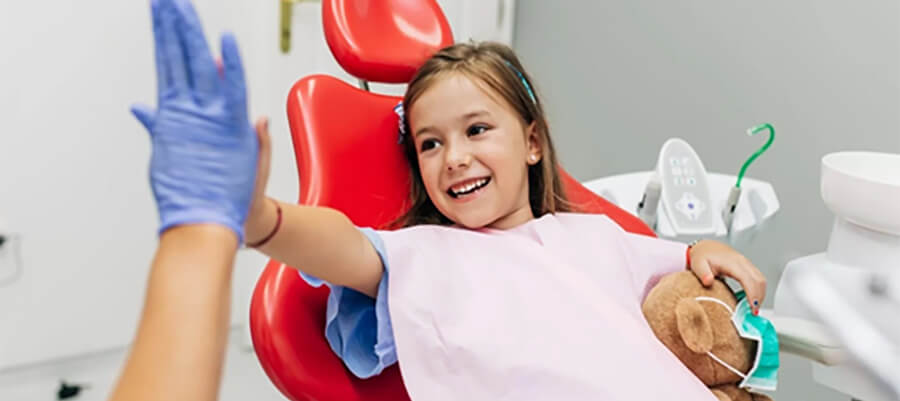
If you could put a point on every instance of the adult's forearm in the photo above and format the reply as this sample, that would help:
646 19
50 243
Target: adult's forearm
179 349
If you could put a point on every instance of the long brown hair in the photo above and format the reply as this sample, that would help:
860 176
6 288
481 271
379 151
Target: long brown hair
495 66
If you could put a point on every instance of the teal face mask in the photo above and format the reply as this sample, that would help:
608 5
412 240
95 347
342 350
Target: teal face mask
763 374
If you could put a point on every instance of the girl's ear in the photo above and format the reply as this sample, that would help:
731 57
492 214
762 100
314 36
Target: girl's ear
533 144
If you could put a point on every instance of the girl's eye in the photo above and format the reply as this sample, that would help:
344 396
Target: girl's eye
476 129
428 144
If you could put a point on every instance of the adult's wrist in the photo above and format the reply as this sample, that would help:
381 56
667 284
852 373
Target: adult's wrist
191 235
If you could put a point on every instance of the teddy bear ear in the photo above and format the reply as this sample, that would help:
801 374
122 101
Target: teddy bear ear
694 326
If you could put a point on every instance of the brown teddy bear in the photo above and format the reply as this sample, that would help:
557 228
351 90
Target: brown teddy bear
690 328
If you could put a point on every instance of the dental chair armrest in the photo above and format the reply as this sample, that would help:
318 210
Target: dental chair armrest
806 339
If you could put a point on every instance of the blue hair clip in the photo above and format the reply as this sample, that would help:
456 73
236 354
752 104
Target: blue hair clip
401 122
524 82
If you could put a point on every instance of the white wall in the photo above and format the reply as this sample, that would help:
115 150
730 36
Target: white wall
74 184
73 161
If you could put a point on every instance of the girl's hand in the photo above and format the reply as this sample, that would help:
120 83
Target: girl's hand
261 216
710 259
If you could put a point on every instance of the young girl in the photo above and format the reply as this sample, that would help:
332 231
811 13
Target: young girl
492 290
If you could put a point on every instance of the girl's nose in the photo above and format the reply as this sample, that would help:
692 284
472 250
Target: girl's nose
458 157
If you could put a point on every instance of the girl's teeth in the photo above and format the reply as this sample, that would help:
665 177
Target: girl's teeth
470 187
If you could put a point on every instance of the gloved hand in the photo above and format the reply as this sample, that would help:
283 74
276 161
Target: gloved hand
205 151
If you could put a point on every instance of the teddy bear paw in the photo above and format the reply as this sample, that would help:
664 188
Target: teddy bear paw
721 396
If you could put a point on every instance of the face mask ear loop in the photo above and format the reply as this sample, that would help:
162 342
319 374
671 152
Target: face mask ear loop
725 364
718 301
711 355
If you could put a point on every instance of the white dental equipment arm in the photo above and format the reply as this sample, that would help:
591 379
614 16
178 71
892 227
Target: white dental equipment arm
849 294
649 204
875 349
893 290
734 195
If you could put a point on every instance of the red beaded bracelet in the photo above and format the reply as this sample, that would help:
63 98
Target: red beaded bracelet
687 258
274 230
687 254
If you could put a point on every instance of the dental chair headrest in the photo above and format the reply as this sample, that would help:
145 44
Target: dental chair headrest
384 40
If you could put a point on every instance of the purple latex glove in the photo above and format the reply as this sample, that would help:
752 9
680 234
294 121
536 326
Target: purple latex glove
205 150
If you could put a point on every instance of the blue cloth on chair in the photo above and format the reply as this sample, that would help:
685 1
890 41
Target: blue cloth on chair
357 327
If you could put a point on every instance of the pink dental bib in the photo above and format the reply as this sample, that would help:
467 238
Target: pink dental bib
549 310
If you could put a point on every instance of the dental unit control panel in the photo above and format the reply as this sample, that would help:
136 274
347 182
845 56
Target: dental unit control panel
681 200
685 190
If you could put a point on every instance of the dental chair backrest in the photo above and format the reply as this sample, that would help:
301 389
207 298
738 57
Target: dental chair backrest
345 141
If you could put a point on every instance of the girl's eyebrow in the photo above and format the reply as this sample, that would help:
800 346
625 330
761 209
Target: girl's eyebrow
422 130
476 113
464 117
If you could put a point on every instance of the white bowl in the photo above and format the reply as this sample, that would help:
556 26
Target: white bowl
863 188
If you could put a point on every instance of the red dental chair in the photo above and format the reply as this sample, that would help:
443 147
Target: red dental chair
345 141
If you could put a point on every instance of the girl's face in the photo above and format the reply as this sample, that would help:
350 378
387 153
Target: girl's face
474 152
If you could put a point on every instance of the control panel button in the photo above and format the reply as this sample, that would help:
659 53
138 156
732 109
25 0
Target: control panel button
690 206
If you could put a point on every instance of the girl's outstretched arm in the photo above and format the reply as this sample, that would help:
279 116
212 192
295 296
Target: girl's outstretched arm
318 241
323 243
